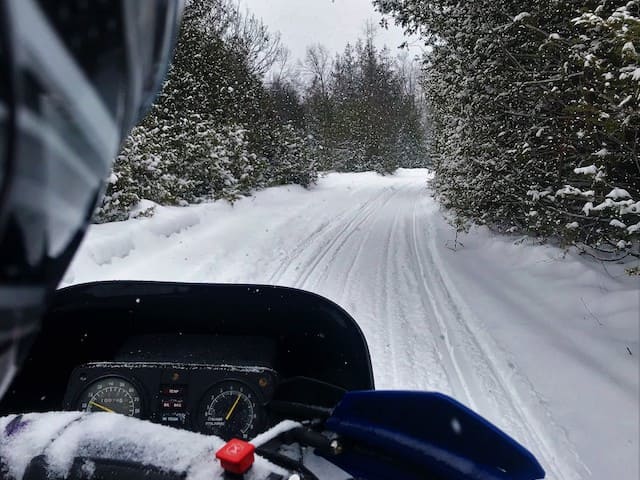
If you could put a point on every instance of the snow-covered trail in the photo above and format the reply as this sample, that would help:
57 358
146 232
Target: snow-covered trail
374 245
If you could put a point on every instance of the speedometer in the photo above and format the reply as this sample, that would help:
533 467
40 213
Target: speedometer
230 410
111 394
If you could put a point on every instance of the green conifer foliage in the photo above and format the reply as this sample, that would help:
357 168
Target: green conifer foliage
214 131
360 112
534 110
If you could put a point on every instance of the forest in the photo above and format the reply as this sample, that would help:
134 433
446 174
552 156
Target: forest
234 117
528 113
534 112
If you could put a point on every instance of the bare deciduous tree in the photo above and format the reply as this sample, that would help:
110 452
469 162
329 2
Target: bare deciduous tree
317 67
241 30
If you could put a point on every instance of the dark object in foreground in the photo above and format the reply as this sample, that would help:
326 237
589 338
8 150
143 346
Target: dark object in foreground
314 350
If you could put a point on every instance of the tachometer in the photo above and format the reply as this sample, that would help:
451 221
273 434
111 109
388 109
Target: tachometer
111 394
229 410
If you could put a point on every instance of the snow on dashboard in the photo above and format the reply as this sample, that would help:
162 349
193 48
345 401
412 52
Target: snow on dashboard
63 436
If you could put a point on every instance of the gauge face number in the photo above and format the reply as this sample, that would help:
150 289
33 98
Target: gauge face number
229 410
113 395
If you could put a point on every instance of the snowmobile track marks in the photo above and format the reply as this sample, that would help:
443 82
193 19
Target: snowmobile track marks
473 362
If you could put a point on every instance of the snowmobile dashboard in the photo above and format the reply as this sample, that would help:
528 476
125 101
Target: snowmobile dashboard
229 360
182 381
217 385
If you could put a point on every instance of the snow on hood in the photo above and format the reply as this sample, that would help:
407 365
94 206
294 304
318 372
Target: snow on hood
63 436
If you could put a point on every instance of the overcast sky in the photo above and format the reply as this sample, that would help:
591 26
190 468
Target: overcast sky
333 24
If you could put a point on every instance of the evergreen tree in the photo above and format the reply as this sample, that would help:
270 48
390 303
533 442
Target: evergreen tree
361 113
215 130
534 110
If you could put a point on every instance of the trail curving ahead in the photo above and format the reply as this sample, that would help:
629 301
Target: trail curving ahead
373 245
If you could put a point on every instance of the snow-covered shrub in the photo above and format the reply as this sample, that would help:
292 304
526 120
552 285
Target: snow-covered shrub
535 114
187 161
603 194
214 132
294 158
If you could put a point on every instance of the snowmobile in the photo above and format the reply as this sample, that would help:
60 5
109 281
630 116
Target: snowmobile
157 380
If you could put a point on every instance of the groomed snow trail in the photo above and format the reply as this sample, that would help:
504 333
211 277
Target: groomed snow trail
372 245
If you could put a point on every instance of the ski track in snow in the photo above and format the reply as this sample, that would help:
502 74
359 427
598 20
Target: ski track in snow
447 351
372 249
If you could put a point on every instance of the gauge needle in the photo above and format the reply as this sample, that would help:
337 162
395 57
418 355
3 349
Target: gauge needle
233 407
102 407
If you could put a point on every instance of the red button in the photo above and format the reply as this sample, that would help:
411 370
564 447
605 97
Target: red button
236 456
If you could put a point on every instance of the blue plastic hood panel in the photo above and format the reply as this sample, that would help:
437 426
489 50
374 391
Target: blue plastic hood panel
424 435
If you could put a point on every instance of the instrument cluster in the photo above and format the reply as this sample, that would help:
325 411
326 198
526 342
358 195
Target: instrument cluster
222 400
